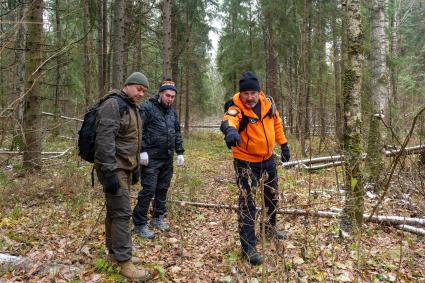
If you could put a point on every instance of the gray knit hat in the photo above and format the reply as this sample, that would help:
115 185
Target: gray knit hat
137 78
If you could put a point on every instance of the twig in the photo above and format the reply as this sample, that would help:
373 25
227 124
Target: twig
63 117
57 156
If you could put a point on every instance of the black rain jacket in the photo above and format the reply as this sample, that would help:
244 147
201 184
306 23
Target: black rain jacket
161 130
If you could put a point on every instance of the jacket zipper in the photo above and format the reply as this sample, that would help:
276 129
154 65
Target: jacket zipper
267 140
246 132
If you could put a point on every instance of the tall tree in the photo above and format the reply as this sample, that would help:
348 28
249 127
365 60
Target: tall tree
167 38
102 43
322 76
32 107
58 87
89 72
20 73
336 47
303 100
118 41
352 217
271 63
379 90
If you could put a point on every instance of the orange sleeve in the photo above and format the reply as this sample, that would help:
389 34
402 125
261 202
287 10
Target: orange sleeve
278 129
235 119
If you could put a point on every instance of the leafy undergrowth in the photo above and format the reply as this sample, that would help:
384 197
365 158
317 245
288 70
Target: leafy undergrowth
46 217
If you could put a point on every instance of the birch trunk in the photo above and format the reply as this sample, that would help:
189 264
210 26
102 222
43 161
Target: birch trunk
379 95
352 217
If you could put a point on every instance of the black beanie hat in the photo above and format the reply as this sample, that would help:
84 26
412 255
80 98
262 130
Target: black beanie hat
249 81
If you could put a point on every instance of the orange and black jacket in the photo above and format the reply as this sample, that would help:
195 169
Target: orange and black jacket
259 136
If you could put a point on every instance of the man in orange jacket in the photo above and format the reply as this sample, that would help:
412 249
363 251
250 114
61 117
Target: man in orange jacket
251 126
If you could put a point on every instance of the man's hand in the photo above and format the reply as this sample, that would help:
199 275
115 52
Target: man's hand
180 160
144 158
232 138
286 155
111 184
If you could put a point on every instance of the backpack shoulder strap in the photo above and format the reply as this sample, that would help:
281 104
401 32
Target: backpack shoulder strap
122 103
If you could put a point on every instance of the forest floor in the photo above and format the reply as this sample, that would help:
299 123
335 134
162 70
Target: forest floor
46 217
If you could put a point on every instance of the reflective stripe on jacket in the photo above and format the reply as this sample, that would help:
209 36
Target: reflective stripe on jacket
258 138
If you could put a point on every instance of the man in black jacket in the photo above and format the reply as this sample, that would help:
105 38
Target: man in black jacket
161 137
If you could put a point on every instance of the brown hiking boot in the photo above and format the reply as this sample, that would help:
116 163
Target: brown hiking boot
128 270
111 259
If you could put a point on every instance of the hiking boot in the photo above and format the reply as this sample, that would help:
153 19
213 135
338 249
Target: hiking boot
128 270
159 223
252 256
111 259
274 234
144 232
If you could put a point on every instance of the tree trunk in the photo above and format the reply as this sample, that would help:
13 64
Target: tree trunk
17 141
117 44
32 107
352 217
271 65
322 72
100 51
59 40
89 73
337 76
304 85
167 38
379 91
393 69
187 101
128 31
106 60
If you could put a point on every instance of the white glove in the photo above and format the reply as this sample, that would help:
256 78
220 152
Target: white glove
180 160
144 158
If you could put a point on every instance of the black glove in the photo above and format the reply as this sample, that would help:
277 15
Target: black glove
285 156
135 176
232 138
111 184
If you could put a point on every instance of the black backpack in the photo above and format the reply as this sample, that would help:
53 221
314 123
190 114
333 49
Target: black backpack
87 133
245 119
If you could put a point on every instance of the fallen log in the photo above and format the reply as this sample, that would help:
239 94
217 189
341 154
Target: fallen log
409 150
337 160
380 219
9 152
412 229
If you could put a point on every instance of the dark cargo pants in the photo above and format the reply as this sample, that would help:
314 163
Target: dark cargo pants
155 179
248 176
117 220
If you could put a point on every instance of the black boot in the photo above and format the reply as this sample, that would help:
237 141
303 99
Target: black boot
252 256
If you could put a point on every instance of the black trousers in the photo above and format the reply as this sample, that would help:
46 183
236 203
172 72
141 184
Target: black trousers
248 177
155 179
